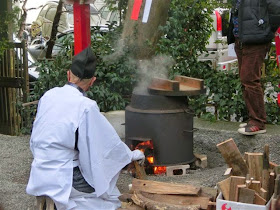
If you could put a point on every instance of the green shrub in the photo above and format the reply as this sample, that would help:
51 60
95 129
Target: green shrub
114 82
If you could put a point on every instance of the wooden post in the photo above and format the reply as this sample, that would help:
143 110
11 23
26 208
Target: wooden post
233 157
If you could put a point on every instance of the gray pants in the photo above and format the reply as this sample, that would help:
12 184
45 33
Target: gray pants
79 183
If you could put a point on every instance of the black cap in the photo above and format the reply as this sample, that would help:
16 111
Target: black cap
84 64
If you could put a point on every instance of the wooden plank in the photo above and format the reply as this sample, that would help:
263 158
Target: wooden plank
272 165
246 195
164 84
233 157
211 206
265 172
234 181
255 185
263 193
11 82
224 187
163 187
201 160
238 187
140 171
276 187
255 163
190 82
154 202
271 184
277 170
259 200
228 172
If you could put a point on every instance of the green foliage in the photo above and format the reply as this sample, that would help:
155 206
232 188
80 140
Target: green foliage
115 79
270 82
7 19
186 33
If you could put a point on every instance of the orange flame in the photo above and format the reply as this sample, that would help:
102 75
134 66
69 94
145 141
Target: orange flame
150 159
145 144
159 169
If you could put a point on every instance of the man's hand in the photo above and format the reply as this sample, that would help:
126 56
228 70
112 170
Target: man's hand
138 156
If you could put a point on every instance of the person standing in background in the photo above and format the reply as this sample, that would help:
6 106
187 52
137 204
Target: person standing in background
253 24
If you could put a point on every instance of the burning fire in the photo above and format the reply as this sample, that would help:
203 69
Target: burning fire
149 145
159 169
144 145
150 159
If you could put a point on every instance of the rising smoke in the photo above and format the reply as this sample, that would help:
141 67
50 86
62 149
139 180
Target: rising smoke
158 66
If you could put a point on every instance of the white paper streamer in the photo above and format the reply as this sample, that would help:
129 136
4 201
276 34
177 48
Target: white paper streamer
147 11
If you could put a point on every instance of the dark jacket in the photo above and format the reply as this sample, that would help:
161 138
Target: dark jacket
257 21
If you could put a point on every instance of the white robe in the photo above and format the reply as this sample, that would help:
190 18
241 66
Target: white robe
101 152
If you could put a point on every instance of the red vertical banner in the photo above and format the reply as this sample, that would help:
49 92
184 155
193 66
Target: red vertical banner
81 27
136 9
277 44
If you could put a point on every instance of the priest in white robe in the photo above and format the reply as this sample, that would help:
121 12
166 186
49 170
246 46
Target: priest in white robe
77 153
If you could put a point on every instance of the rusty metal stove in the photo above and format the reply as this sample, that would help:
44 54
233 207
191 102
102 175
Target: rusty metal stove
161 115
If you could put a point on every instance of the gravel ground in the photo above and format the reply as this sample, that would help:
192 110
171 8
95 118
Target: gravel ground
16 159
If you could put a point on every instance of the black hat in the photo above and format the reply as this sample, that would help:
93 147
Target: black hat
84 64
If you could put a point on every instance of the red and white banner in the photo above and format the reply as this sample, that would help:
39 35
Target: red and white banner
277 46
136 9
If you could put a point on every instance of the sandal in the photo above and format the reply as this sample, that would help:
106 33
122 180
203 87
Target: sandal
250 130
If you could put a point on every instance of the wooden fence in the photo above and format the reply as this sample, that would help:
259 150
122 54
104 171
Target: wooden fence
14 87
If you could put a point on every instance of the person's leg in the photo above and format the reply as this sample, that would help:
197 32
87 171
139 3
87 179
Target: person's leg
252 57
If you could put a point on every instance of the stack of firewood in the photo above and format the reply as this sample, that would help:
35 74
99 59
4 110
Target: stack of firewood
252 178
147 194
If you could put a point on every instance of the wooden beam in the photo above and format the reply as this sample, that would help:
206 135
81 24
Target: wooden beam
233 157
164 188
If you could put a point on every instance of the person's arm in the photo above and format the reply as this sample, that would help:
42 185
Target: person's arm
274 13
139 156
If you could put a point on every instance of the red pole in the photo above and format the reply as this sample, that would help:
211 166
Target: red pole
81 26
